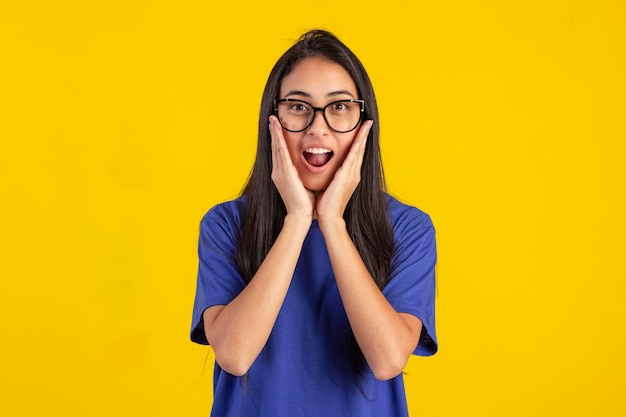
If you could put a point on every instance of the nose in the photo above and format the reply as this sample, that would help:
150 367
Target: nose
318 125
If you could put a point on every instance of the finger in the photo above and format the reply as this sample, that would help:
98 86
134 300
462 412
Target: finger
274 145
358 151
355 156
364 131
279 141
361 150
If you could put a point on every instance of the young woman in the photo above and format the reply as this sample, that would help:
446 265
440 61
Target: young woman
315 286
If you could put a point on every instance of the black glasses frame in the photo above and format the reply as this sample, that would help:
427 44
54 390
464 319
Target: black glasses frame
322 109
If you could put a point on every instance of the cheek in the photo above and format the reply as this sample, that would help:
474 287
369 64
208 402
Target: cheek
345 145
292 145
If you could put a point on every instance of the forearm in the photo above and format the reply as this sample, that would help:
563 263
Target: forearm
239 330
386 338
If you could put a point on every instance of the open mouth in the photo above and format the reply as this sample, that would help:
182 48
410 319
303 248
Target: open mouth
317 157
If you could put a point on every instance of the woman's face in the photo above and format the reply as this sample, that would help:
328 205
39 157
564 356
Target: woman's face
318 151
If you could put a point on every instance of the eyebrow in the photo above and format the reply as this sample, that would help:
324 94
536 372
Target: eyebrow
331 94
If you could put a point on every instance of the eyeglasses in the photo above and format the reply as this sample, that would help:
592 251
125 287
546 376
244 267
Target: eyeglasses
341 116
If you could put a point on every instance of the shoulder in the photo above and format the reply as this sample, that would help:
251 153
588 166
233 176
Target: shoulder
224 218
228 211
406 218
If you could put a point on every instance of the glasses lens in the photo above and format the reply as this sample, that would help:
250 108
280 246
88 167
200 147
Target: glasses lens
295 115
343 116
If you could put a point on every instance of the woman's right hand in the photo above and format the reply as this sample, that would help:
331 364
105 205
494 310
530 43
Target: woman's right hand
298 200
239 330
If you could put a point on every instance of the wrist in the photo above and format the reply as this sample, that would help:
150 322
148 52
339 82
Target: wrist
331 224
300 222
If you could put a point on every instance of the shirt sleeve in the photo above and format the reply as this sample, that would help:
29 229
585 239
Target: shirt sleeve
219 280
412 284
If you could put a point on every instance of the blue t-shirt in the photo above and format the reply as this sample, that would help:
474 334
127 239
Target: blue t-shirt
305 369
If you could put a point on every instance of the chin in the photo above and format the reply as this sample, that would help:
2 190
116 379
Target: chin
317 186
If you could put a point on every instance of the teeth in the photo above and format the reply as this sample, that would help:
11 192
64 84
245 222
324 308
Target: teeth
317 151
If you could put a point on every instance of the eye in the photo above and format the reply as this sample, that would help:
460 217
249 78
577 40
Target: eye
340 106
298 107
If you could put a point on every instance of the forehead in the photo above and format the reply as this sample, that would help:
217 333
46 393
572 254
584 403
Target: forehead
318 77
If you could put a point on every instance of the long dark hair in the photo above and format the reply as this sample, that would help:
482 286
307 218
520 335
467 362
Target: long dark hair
366 214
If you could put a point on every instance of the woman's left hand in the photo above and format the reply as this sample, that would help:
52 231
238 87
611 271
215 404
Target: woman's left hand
331 203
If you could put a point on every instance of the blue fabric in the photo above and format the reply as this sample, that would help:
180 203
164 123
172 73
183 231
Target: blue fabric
305 367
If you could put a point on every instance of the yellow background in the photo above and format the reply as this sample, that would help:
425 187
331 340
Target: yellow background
121 123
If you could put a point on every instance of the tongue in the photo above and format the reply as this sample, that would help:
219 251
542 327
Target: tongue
317 159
